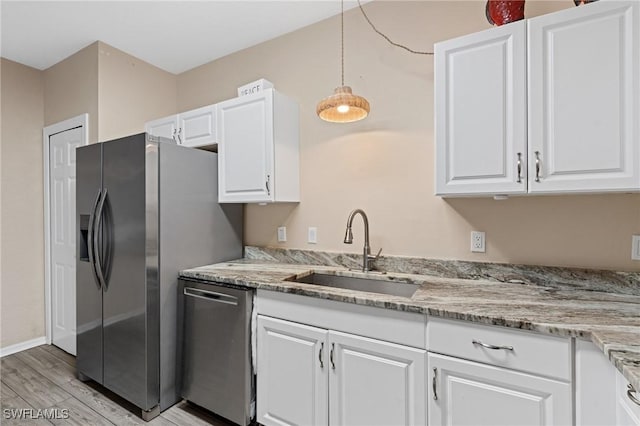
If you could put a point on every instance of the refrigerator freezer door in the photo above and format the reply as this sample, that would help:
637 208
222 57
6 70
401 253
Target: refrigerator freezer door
88 291
130 297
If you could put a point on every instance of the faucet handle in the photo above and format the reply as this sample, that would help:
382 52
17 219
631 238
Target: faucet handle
376 256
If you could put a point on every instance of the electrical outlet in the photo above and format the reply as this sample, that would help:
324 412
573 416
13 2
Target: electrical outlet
478 242
312 235
282 234
635 247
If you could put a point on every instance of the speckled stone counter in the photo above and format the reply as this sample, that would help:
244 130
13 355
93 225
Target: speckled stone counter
600 306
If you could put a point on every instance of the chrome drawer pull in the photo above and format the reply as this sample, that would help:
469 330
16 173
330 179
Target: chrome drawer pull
494 347
631 393
333 364
519 168
320 354
434 384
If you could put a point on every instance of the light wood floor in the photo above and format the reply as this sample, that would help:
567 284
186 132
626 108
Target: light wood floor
45 378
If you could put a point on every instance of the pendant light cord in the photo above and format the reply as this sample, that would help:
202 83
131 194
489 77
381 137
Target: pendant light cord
417 52
342 36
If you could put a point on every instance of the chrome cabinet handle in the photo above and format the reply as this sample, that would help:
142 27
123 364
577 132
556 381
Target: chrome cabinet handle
434 384
631 393
519 168
178 134
90 238
333 348
537 153
173 135
494 347
320 354
267 184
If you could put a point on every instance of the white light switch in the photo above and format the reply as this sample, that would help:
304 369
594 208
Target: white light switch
635 247
312 235
282 234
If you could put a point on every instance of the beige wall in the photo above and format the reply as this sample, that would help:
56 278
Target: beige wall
22 247
120 93
71 89
130 93
384 164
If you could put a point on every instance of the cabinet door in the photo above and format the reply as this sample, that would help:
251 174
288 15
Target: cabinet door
468 393
480 111
197 127
292 382
627 410
245 148
372 382
166 127
584 91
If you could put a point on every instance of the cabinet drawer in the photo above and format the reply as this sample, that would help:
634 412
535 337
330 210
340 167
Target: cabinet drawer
534 353
627 410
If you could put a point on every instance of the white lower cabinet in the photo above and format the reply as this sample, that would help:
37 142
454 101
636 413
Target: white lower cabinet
603 396
469 393
313 376
292 385
627 402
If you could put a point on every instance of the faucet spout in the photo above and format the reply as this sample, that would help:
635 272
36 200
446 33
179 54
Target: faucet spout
348 237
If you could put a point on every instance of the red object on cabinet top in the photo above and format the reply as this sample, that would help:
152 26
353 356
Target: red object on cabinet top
500 12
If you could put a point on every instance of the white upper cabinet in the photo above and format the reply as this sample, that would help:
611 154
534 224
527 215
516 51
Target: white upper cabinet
554 110
166 127
480 127
258 149
584 89
195 128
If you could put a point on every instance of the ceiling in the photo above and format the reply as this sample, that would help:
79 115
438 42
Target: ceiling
173 35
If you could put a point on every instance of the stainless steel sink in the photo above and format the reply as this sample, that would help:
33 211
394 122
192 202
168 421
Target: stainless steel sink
360 284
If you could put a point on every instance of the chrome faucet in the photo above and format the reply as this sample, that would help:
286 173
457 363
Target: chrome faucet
348 239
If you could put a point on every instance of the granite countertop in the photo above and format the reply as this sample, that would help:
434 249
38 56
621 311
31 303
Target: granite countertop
611 320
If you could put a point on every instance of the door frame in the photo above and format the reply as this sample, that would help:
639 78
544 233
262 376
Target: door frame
81 120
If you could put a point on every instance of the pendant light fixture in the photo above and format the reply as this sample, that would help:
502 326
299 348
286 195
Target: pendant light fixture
343 106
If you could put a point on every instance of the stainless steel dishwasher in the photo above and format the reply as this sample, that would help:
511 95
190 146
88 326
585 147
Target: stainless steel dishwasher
217 371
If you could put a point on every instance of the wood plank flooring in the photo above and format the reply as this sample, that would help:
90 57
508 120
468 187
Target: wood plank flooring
44 378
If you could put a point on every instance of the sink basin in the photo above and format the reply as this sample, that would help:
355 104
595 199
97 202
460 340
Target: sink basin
360 284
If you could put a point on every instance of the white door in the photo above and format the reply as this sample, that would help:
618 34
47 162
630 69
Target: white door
245 149
372 382
480 112
468 393
197 127
292 369
166 127
584 94
62 196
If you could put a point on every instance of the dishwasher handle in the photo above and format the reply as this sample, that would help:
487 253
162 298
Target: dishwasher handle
211 296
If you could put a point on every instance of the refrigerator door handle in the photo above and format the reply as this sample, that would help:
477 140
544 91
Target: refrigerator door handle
96 247
91 238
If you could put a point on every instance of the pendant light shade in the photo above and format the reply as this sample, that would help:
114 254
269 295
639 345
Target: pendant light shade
343 106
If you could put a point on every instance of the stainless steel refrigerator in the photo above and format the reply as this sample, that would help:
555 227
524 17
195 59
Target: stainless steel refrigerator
145 209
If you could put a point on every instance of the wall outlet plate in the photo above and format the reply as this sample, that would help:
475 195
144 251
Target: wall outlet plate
478 242
312 235
635 247
282 234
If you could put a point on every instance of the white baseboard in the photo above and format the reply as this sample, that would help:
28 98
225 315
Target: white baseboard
22 346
